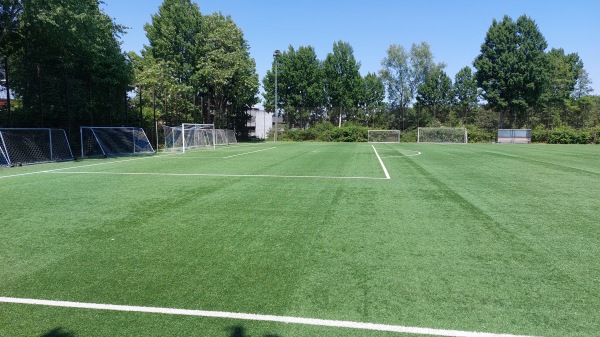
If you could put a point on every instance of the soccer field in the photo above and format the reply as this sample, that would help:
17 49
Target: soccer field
305 239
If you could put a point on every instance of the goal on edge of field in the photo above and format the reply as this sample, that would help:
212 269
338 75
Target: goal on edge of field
107 141
383 136
22 146
442 135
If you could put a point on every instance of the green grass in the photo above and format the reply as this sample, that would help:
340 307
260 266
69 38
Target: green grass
477 237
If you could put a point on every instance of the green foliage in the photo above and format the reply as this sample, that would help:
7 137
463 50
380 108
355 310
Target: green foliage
69 69
327 132
564 135
476 134
436 95
511 68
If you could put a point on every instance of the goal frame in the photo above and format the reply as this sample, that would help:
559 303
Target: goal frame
211 127
394 133
458 131
56 149
100 143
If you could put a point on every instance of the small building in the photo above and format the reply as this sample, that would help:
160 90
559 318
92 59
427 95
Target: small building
261 122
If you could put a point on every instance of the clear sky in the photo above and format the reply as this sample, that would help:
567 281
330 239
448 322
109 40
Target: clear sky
454 30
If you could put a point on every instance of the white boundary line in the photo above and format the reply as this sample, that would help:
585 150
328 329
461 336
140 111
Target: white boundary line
387 175
213 175
82 166
255 317
245 153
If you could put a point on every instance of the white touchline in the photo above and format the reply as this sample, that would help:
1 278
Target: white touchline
256 317
387 175
211 175
82 166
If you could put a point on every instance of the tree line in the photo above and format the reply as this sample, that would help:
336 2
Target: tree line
62 62
514 83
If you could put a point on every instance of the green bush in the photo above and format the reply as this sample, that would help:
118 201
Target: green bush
563 135
476 134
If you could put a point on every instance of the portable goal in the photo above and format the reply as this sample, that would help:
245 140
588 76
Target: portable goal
514 136
442 135
113 141
194 136
383 136
24 146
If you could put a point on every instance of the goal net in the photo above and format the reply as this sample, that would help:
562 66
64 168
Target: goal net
23 146
383 136
113 141
194 136
515 136
442 135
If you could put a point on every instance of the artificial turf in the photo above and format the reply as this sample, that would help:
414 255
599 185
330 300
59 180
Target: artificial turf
477 237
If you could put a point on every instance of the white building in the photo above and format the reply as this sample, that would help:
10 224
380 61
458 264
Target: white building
260 123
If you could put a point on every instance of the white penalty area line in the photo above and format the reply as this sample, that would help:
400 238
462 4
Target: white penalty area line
255 317
247 153
387 175
213 175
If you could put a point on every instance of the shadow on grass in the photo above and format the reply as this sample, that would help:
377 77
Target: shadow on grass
58 332
240 331
236 331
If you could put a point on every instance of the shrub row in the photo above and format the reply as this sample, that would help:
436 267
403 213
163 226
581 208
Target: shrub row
565 135
327 132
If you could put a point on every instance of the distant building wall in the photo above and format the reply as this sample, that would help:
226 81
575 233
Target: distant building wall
260 123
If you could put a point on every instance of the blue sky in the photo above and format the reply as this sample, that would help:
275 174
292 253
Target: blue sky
454 30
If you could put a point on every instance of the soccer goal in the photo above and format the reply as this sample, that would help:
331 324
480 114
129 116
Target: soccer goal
113 141
196 136
514 136
23 146
442 135
383 136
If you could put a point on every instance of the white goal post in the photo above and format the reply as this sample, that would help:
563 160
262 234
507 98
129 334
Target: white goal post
23 146
113 141
383 136
442 135
189 136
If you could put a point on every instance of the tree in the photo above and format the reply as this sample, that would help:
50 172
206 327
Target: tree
69 69
511 69
9 37
300 85
465 94
342 81
174 37
563 72
372 100
396 76
403 73
226 70
435 94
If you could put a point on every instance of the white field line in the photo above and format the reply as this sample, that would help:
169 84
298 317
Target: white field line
214 175
255 317
83 166
387 175
246 153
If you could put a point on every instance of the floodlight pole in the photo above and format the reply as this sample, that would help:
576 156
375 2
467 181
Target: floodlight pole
276 55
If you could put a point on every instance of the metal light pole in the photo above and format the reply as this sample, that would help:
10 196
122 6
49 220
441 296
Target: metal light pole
276 55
